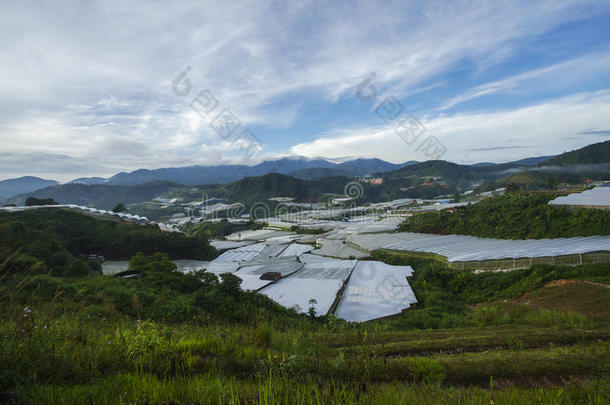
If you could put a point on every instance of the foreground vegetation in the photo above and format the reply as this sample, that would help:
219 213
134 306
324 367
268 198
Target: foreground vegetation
514 216
192 338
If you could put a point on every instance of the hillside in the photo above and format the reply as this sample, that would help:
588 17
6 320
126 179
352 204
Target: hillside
12 187
171 337
591 154
317 173
101 196
58 236
261 188
514 216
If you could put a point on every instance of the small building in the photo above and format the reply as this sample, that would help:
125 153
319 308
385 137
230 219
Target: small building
271 276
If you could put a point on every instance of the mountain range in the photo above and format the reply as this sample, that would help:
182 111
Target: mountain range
308 169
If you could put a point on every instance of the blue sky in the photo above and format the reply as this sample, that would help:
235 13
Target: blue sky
86 89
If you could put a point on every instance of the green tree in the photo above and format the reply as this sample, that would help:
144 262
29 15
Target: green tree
32 201
120 207
230 283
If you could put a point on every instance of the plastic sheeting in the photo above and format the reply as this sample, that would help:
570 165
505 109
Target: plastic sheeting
229 244
186 266
189 266
251 274
337 248
375 290
320 279
597 197
110 267
252 252
258 235
373 241
296 249
469 248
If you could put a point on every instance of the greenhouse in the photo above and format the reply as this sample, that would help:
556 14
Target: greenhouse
599 197
320 279
375 290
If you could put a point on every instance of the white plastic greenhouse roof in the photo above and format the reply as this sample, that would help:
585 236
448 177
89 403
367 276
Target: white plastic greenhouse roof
597 197
376 290
110 267
75 207
229 244
296 249
258 235
470 248
320 279
250 275
373 241
252 252
219 268
337 248
189 266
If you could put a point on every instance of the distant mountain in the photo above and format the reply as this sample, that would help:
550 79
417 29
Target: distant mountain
532 161
89 180
101 196
591 154
12 187
409 163
363 167
200 175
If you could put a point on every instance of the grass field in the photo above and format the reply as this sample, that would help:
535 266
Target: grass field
521 338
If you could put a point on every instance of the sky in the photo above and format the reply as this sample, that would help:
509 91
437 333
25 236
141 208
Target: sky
95 88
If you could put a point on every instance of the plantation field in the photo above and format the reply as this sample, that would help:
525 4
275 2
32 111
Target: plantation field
527 336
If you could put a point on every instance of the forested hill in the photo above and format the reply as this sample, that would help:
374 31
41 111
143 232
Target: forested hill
261 188
100 196
591 154
58 236
11 187
514 216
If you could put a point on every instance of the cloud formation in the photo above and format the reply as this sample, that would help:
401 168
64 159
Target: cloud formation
91 81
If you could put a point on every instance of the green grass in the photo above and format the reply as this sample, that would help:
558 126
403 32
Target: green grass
195 339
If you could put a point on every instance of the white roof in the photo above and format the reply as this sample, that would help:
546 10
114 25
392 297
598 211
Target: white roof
375 290
189 266
373 241
337 248
296 249
229 244
251 252
114 266
470 248
258 235
320 279
599 196
219 268
250 275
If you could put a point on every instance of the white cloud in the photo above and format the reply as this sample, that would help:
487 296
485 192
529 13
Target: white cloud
91 80
546 128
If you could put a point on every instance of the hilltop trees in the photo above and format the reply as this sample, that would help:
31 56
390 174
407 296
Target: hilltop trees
31 201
